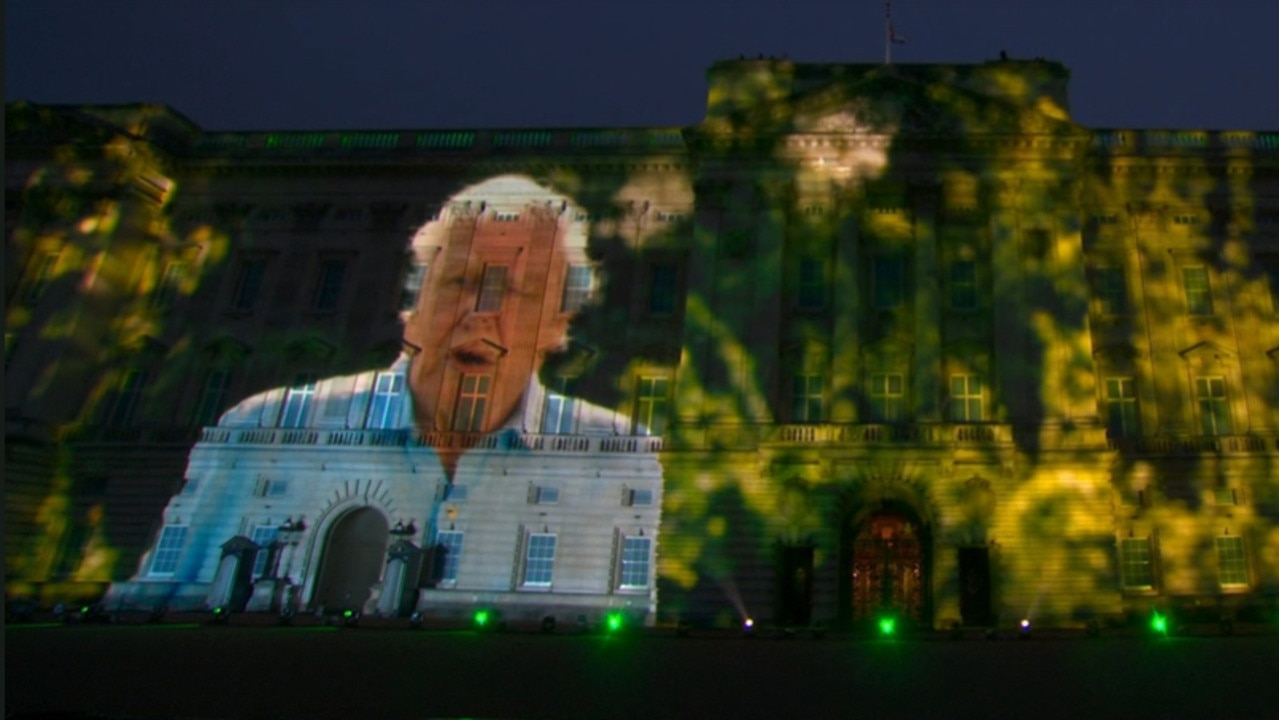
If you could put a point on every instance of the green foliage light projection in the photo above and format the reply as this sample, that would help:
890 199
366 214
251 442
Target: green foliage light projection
887 308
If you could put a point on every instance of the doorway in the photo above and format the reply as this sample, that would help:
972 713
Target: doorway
974 585
796 585
887 568
353 560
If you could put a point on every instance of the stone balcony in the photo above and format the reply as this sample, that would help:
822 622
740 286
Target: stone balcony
506 441
1194 445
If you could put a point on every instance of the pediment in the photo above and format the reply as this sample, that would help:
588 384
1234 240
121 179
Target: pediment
1206 350
310 348
884 103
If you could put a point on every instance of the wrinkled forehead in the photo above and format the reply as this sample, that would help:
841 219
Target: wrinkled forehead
505 199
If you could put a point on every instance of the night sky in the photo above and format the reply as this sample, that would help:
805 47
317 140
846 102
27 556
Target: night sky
374 64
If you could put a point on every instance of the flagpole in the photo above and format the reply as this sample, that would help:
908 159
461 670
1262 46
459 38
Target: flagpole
888 32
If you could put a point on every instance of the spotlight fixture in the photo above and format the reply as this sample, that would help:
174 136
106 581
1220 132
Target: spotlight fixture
415 621
220 615
748 627
1024 629
350 618
887 626
1159 623
286 616
614 622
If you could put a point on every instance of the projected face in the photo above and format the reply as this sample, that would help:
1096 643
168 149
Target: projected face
492 313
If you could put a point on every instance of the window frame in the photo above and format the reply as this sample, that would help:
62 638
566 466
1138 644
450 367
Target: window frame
1110 288
171 554
810 287
213 400
627 563
300 395
250 276
808 407
886 295
967 398
1214 409
1133 570
471 404
490 296
446 567
330 281
544 565
878 402
1125 402
1236 562
651 409
965 288
575 296
264 536
1198 299
387 403
559 408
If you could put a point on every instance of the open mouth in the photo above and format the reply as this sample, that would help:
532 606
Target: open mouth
471 360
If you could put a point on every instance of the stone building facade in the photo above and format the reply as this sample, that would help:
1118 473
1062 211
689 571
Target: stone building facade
867 339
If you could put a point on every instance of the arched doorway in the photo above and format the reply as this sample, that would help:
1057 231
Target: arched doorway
353 559
888 567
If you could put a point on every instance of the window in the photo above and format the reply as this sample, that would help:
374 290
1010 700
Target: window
506 216
577 287
387 401
889 283
639 498
166 291
213 398
887 398
557 413
806 398
455 493
812 284
1111 291
1214 407
165 560
448 551
412 290
297 402
1198 294
650 406
272 488
126 399
546 495
966 401
539 561
264 537
963 285
472 399
1135 570
1121 407
45 267
663 282
328 286
1225 496
492 289
248 284
637 553
1232 565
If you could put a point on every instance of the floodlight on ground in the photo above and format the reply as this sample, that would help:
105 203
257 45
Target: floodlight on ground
887 626
1023 629
748 627
220 615
350 618
415 621
484 619
286 616
548 624
1159 623
614 622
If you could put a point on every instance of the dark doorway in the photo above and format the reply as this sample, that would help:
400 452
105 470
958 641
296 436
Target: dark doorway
797 585
888 568
974 585
353 560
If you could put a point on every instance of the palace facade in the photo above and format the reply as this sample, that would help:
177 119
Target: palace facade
866 339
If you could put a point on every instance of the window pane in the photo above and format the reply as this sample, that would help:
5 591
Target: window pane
412 289
540 561
472 401
167 549
963 285
558 413
297 402
263 536
888 282
1198 296
1121 408
636 552
213 399
166 291
650 406
661 295
328 288
248 284
967 403
387 401
448 553
806 398
492 289
1135 560
577 288
127 398
1214 406
1112 295
1231 562
886 400
812 284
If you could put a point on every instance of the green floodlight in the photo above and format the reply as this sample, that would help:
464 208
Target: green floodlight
1159 623
613 621
887 626
482 618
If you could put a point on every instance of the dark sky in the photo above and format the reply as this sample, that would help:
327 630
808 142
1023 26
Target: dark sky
302 64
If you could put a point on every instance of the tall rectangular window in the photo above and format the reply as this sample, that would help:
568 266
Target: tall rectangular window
472 401
328 286
1198 292
558 410
662 288
966 399
264 537
889 282
127 398
1214 406
1232 564
213 398
412 289
812 284
887 397
448 553
166 291
539 561
248 284
297 401
1121 407
1136 571
387 401
650 406
578 284
1111 290
164 561
806 398
637 553
42 274
963 285
492 289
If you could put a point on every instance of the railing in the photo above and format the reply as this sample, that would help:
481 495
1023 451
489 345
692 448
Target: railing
928 434
509 441
1193 444
447 141
1125 140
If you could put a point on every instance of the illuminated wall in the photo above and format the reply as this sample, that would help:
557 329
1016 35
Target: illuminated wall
903 339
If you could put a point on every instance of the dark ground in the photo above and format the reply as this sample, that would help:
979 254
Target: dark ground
189 670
